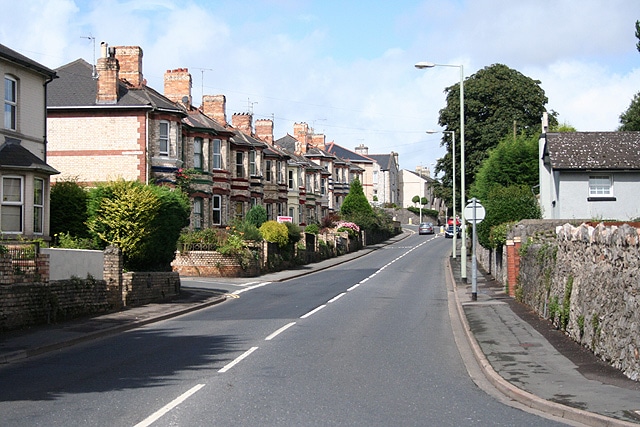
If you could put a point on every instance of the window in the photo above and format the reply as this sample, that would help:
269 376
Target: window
10 103
323 186
279 171
292 212
216 207
12 205
267 172
600 186
239 164
217 154
253 170
239 211
38 205
291 180
163 139
197 213
198 158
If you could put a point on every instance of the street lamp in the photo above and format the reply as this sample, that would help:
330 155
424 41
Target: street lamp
463 249
453 197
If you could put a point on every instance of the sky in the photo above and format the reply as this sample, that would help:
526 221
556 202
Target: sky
346 67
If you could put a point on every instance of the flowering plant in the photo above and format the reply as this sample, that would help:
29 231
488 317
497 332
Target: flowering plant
351 225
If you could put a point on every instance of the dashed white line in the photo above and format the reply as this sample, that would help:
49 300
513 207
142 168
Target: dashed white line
315 310
175 402
238 359
337 297
279 331
354 286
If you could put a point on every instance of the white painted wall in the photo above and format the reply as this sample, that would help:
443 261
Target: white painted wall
67 263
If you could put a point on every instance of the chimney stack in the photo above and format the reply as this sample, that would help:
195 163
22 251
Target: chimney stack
107 68
301 133
362 149
177 86
130 60
243 122
318 140
264 130
215 106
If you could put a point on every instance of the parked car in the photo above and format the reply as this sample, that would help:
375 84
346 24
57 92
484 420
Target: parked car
425 228
448 232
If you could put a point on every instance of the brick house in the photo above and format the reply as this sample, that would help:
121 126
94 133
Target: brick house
24 170
107 124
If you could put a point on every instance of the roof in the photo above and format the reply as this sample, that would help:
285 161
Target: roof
15 156
593 150
429 179
76 88
384 160
343 153
15 57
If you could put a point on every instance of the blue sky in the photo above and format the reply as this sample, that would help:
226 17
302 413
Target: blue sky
346 67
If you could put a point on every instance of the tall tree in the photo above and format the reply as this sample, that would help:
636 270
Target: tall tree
638 35
630 119
498 101
512 162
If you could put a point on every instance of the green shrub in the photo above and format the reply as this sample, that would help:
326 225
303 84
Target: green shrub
275 232
67 241
312 229
257 216
293 231
68 208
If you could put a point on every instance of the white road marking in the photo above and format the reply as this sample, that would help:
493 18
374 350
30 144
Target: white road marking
175 402
279 331
354 286
313 311
239 291
238 359
337 297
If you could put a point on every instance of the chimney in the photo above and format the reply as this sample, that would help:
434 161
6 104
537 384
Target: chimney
362 150
177 86
215 106
130 60
107 68
243 122
317 140
301 133
264 130
545 122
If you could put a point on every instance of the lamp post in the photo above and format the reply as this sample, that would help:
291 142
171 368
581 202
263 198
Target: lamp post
453 195
463 248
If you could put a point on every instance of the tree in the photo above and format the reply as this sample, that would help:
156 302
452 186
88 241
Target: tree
355 203
68 209
499 101
257 215
638 35
630 119
415 200
512 162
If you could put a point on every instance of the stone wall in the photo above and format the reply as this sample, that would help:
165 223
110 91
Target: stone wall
586 280
139 288
212 264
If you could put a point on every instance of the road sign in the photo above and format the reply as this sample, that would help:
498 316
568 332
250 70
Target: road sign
474 210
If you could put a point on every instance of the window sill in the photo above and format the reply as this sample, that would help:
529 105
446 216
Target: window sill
601 199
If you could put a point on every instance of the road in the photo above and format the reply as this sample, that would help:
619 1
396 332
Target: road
366 343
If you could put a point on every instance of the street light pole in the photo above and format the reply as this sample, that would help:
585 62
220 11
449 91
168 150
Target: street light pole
463 249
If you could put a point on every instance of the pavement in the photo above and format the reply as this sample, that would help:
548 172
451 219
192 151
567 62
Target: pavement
506 347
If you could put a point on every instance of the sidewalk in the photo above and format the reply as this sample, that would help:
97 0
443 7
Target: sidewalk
518 353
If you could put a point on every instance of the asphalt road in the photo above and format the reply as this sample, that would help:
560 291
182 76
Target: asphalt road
367 343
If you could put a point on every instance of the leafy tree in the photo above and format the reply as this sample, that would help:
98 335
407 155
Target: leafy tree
68 209
275 232
144 221
506 204
630 119
512 162
355 203
498 101
638 35
415 200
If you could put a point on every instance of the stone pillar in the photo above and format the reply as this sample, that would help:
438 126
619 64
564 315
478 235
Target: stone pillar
112 274
42 267
6 269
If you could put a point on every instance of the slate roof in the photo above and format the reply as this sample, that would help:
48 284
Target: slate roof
593 150
384 160
76 88
15 156
426 178
15 57
343 153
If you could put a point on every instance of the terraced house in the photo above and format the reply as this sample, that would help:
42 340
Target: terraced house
24 169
